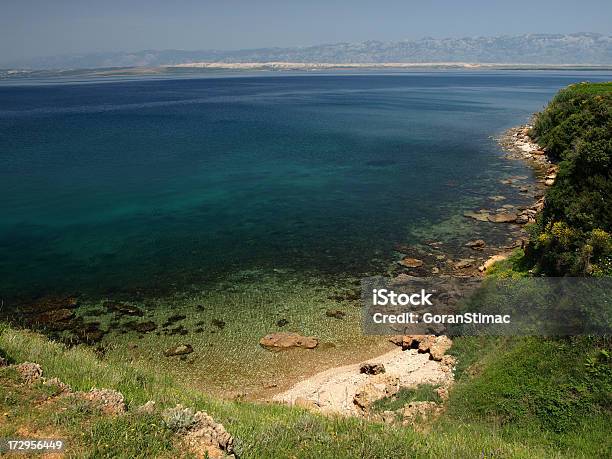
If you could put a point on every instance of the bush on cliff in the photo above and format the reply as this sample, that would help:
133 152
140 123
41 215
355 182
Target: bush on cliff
573 233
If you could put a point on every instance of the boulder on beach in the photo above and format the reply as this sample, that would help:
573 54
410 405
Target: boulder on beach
372 368
285 340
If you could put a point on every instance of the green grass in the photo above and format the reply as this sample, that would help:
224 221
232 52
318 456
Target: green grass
421 393
514 267
544 390
592 88
261 430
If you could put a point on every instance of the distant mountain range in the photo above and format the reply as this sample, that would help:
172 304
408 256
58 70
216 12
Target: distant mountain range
546 49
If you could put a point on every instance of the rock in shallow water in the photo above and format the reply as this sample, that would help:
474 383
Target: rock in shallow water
480 216
476 244
181 349
411 262
504 217
286 340
335 313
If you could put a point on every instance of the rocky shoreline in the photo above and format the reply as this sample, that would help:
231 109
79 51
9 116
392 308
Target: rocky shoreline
473 257
352 389
432 258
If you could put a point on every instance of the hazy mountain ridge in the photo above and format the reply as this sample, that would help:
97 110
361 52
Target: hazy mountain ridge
577 48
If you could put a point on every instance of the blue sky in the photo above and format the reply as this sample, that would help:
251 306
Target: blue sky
31 28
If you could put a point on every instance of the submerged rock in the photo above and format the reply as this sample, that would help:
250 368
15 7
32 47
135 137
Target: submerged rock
57 319
480 216
462 264
282 322
173 319
123 309
143 327
286 340
503 217
181 349
179 330
411 262
335 313
90 332
476 244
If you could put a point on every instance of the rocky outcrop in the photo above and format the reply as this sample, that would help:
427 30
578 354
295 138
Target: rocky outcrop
29 372
147 408
436 346
199 431
204 437
376 388
286 340
108 400
56 382
462 264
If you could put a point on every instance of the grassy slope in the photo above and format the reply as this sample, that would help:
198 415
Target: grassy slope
262 430
593 88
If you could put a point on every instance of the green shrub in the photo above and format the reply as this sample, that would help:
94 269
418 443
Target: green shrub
576 129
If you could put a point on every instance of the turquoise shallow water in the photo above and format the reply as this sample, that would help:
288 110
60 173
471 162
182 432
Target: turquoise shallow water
154 185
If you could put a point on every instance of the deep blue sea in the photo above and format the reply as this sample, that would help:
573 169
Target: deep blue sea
162 184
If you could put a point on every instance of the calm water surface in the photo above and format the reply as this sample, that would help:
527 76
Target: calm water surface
161 184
